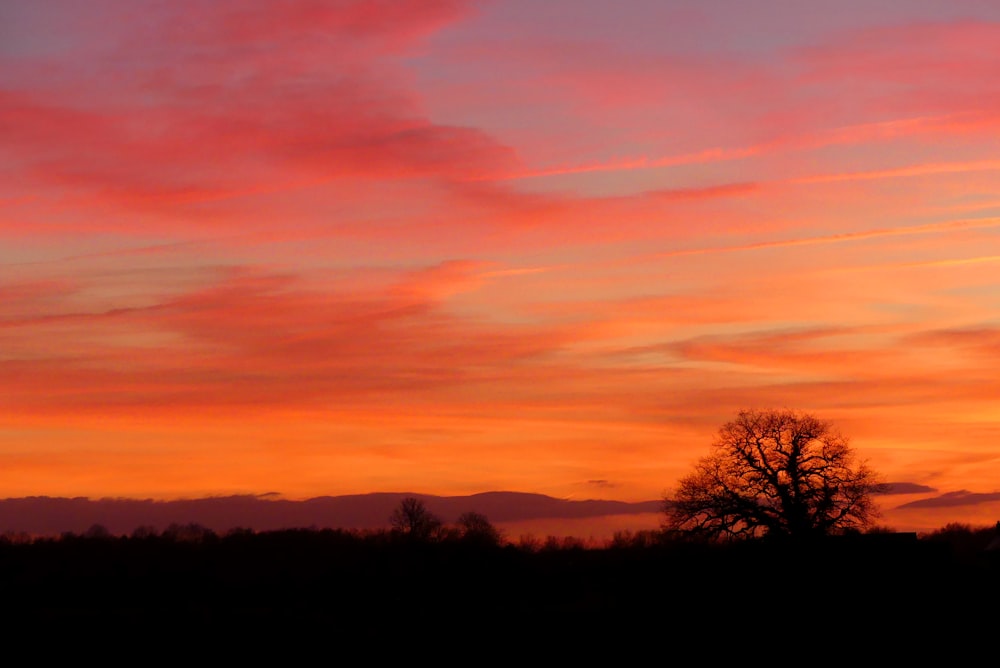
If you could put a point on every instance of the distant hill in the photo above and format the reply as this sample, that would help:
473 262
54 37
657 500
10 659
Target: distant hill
40 515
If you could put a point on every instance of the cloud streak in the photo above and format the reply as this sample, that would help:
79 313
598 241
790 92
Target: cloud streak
929 228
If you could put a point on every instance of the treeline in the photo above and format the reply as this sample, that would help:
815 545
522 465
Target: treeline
421 580
959 539
372 585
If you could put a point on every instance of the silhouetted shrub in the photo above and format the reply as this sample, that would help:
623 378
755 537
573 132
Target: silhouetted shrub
475 528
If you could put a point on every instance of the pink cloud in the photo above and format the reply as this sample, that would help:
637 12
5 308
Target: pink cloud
202 106
925 81
390 25
261 339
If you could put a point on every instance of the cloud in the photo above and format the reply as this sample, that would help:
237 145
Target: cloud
954 499
906 171
222 99
854 87
263 23
254 338
981 342
812 351
929 56
907 488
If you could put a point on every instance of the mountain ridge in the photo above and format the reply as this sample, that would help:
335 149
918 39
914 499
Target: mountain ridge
43 515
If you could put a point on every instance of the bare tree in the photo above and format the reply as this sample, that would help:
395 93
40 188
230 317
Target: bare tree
776 473
412 519
474 527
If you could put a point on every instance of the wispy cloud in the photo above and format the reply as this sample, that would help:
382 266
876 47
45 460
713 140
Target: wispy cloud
928 228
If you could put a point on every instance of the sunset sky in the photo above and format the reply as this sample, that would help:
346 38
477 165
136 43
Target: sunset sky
334 247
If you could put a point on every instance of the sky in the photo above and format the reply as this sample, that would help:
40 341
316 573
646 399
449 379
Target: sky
333 247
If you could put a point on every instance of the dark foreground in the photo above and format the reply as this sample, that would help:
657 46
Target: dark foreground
303 586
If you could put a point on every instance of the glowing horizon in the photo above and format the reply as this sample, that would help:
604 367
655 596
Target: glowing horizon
451 247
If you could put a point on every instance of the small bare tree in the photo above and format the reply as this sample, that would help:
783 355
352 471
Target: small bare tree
412 519
776 473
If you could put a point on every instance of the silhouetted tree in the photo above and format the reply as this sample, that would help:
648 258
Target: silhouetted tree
775 473
189 533
474 527
12 537
964 540
529 542
412 519
97 531
626 539
144 532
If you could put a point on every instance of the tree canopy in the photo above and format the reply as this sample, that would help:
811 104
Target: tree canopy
775 472
412 519
476 528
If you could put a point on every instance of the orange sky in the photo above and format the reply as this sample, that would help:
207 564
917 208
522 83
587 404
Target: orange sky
450 247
